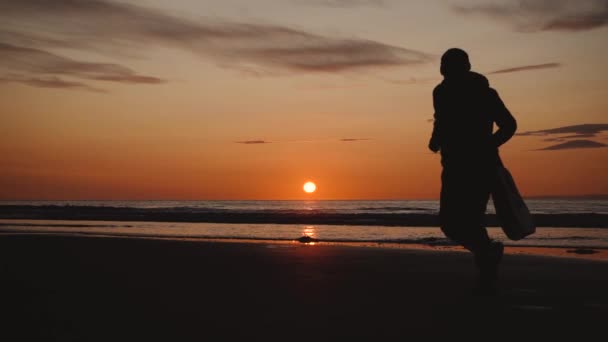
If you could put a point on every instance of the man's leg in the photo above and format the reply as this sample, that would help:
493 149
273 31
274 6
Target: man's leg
462 209
463 203
488 256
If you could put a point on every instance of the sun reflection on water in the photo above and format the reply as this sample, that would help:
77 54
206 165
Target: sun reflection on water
309 232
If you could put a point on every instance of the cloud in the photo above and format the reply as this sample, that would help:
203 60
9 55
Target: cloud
543 15
526 68
414 80
256 142
578 136
253 142
40 65
51 82
129 78
574 144
576 132
354 139
344 3
102 25
574 136
588 130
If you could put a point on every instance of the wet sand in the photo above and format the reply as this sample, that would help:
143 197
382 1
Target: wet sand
113 289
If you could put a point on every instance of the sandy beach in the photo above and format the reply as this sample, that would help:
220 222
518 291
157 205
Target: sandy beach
100 289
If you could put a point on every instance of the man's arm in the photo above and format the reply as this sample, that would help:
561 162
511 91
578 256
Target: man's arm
435 142
504 120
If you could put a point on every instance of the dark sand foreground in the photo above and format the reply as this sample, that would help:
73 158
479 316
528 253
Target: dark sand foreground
118 289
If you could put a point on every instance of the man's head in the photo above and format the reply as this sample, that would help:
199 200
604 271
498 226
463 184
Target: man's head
455 62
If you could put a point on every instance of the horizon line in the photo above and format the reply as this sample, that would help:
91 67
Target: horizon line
588 196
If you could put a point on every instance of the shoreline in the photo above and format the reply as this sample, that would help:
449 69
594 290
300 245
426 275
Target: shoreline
598 254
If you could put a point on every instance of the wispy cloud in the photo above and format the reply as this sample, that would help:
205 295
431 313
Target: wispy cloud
253 142
414 80
574 137
526 68
354 139
51 82
586 129
344 3
574 144
102 25
258 142
38 62
543 15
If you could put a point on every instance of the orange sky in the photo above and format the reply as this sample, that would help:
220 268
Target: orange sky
151 100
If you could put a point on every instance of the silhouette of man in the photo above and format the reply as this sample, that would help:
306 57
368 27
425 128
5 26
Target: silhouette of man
466 109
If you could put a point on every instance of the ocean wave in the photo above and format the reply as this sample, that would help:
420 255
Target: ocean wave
66 225
314 216
571 238
394 209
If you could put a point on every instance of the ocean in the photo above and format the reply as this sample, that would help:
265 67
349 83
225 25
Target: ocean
579 223
537 206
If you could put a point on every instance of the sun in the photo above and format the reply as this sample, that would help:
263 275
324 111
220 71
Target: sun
310 187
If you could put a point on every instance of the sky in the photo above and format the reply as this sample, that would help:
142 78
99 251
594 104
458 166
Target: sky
239 99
